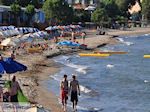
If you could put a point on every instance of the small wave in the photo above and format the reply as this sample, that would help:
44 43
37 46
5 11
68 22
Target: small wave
146 81
120 39
127 43
62 59
147 34
84 89
55 77
110 66
79 68
77 56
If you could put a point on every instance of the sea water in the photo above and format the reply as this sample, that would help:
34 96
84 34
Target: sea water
119 83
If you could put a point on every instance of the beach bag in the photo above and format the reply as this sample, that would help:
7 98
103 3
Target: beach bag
21 97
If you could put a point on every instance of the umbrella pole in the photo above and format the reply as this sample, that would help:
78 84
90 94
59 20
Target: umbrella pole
9 77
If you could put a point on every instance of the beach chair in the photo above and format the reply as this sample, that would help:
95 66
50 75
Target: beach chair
34 50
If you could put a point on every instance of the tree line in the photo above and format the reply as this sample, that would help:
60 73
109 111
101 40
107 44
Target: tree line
60 12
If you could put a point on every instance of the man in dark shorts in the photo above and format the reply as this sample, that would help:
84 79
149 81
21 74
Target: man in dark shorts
75 91
64 92
14 89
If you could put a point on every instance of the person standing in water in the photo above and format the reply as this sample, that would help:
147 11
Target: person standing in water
75 91
64 88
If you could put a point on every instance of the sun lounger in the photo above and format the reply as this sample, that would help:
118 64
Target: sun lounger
34 50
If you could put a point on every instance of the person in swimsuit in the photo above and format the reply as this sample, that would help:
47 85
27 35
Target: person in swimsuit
83 35
12 55
75 91
14 90
64 88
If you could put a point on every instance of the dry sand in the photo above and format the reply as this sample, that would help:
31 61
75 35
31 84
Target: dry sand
39 67
130 32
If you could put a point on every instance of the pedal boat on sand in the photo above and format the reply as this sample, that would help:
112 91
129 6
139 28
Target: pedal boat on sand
94 54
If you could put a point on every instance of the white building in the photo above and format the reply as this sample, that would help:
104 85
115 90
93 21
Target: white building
83 2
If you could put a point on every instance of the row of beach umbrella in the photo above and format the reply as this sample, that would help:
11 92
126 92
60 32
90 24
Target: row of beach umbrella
63 27
4 28
31 37
9 31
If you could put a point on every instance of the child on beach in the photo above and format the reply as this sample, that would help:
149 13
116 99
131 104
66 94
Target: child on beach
64 92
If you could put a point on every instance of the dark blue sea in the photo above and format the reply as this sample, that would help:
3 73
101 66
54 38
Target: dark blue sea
119 83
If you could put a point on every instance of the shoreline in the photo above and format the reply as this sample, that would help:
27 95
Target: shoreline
42 66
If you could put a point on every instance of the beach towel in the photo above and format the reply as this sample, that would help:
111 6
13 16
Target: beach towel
21 97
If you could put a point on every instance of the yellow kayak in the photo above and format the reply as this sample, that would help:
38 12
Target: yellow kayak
94 54
146 56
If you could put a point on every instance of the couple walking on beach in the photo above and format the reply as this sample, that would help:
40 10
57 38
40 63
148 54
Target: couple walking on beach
73 88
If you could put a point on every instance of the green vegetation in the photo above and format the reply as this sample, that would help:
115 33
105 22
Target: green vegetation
16 9
58 12
146 9
30 10
99 16
81 16
115 11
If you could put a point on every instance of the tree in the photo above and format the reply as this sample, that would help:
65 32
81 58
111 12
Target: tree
36 3
30 10
124 5
58 11
16 9
146 9
99 16
23 3
111 8
7 2
81 16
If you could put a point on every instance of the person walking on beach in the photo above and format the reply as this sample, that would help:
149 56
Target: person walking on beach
73 36
75 91
64 88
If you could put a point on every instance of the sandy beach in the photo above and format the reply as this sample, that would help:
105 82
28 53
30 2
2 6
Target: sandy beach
40 67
